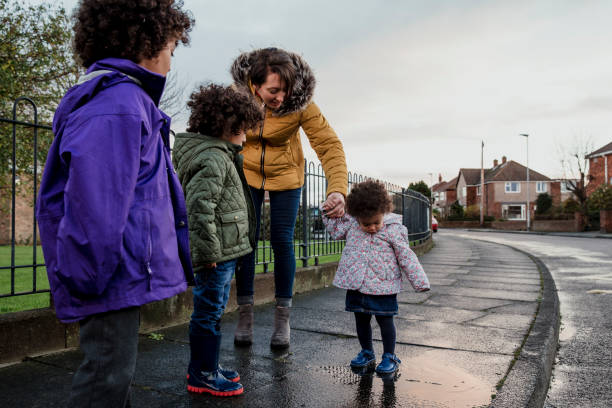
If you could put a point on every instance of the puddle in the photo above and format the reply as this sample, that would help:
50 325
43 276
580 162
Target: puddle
567 332
431 380
421 381
599 292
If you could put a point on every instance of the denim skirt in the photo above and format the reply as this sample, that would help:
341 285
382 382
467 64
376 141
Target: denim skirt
381 305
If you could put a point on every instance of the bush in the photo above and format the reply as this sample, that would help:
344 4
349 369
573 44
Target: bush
456 210
436 213
543 203
570 206
472 211
600 199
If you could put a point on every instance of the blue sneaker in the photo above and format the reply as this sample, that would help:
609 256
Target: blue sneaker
363 359
231 375
212 383
389 364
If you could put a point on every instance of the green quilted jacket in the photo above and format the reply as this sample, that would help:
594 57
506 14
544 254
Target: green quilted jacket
219 205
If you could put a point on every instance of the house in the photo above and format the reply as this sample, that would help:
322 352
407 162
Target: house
445 194
505 189
600 168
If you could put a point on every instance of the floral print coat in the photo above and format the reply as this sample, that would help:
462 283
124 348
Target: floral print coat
376 264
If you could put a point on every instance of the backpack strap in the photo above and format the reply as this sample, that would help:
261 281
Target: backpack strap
98 72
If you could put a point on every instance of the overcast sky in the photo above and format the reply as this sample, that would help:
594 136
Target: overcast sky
412 87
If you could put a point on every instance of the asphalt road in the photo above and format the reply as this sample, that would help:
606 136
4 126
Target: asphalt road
582 270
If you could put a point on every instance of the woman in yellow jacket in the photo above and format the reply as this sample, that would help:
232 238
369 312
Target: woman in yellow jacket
274 162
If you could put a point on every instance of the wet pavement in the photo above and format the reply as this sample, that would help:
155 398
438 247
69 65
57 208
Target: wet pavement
456 344
582 271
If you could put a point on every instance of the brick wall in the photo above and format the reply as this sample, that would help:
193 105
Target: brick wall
24 211
555 192
597 172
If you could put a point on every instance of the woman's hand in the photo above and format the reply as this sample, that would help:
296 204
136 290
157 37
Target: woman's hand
334 205
210 265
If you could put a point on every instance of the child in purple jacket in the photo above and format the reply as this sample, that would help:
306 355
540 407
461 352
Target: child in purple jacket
111 212
375 261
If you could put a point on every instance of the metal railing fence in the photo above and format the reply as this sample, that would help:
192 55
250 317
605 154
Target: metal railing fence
312 244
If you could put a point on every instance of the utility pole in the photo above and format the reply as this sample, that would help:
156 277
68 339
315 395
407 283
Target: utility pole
482 192
528 212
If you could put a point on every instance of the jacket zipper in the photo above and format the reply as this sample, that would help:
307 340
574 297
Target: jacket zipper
148 263
263 152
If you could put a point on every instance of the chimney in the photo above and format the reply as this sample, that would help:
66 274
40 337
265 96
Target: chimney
439 177
495 163
503 159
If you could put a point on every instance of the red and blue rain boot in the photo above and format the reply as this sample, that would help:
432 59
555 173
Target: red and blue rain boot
204 374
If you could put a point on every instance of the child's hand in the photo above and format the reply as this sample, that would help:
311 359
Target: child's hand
334 205
210 265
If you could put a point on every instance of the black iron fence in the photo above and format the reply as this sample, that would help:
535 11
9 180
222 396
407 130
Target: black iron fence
312 243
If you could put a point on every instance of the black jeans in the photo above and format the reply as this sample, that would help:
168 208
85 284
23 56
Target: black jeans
109 342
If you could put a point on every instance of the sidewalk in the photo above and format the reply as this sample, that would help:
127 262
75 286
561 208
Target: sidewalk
456 344
586 234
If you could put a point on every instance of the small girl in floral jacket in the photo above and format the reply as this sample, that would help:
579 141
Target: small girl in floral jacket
377 251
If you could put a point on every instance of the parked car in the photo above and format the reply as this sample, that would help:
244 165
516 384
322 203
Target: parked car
434 224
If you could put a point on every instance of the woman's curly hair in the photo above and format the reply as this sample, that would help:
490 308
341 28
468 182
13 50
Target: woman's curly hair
217 110
368 199
134 30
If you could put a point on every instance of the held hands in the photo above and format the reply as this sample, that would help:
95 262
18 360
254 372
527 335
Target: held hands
334 205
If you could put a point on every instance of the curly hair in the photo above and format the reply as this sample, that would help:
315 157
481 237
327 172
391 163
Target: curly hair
134 30
218 110
367 199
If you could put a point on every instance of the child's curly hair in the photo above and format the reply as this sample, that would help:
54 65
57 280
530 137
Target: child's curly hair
218 110
134 30
368 199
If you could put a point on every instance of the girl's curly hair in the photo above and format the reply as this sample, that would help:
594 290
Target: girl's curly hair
367 199
218 110
134 30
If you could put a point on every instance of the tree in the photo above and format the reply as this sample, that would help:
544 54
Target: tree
421 187
543 203
35 61
574 164
173 101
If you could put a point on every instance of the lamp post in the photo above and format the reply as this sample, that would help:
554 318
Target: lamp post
528 212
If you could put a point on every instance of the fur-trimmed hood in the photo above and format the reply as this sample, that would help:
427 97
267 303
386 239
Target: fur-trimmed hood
302 92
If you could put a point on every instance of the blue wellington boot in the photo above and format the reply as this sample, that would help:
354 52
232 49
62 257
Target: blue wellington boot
203 374
389 364
363 359
231 375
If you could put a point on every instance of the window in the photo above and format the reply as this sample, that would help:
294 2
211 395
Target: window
443 196
513 187
464 191
565 187
478 190
541 187
513 212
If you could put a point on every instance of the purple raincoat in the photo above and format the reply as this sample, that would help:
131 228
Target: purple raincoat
111 211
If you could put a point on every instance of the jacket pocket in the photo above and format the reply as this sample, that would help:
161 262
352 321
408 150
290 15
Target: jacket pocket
234 226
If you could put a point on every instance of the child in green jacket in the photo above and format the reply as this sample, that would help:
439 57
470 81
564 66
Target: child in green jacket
221 220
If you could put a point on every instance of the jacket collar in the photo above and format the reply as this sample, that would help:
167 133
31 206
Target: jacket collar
152 83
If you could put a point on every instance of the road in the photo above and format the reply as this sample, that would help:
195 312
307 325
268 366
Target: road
582 270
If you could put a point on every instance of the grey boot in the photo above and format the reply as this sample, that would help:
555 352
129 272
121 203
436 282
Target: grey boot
244 331
280 337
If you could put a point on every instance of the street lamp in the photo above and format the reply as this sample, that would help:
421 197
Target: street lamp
528 212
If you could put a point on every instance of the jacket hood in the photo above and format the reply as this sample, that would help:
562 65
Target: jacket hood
303 89
392 218
121 70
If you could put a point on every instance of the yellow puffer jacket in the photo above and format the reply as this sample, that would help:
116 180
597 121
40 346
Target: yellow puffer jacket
273 156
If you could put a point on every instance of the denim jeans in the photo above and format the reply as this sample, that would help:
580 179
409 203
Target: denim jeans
283 213
210 295
109 342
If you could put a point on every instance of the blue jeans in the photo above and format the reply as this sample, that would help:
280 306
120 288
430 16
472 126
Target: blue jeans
210 295
283 213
